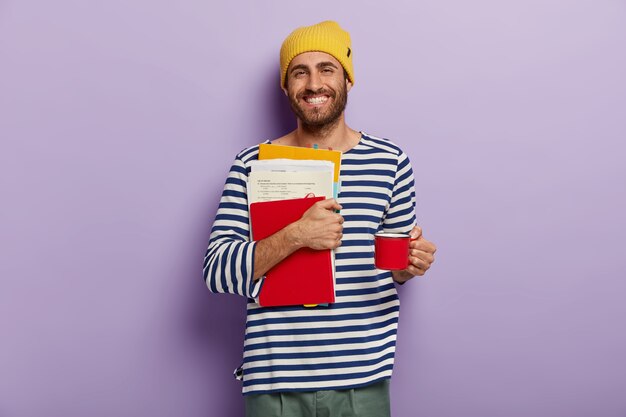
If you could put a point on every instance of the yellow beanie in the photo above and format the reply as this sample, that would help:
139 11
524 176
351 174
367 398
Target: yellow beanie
324 37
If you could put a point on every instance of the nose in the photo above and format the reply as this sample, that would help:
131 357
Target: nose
314 82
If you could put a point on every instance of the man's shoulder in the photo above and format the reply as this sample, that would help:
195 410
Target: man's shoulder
250 153
381 144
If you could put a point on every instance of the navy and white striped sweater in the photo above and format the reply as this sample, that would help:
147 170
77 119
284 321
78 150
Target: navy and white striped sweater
351 342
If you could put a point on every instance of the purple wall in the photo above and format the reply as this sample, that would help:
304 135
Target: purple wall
120 119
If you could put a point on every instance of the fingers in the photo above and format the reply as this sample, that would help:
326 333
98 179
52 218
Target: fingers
332 242
416 232
321 227
332 217
424 255
421 260
324 211
421 254
419 242
413 270
423 245
329 204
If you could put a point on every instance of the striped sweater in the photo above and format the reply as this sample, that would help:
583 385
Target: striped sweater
351 342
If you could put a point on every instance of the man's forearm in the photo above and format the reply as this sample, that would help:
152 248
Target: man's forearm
274 249
319 228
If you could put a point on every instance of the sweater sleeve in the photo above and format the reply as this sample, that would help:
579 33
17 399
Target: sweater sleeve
400 215
229 260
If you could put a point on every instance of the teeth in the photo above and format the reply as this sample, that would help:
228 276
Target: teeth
316 100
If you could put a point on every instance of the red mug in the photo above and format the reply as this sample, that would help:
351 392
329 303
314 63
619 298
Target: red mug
391 251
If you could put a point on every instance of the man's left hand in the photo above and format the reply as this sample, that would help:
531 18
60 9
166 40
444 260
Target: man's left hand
421 257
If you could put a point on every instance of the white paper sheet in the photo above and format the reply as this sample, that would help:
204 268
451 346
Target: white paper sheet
273 185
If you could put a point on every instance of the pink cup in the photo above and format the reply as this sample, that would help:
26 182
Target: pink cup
391 251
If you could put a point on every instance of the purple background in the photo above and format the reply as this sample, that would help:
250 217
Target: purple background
119 120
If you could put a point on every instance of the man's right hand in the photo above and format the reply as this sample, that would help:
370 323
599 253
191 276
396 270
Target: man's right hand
319 227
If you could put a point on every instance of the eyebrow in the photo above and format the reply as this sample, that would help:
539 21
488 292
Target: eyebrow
319 65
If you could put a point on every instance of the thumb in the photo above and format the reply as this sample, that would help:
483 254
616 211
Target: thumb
330 204
416 232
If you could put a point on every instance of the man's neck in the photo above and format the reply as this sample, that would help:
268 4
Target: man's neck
338 136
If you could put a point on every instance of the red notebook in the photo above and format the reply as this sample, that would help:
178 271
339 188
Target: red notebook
305 276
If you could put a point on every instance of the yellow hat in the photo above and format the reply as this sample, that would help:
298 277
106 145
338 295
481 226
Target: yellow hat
324 37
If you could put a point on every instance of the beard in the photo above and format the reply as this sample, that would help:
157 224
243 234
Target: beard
315 118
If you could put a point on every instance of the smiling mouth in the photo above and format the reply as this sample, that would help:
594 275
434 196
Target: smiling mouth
315 100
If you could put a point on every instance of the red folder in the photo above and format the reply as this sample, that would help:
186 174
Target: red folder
305 276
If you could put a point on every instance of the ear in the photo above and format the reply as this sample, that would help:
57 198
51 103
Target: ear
348 85
285 91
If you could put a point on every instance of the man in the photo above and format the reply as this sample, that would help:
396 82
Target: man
333 360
